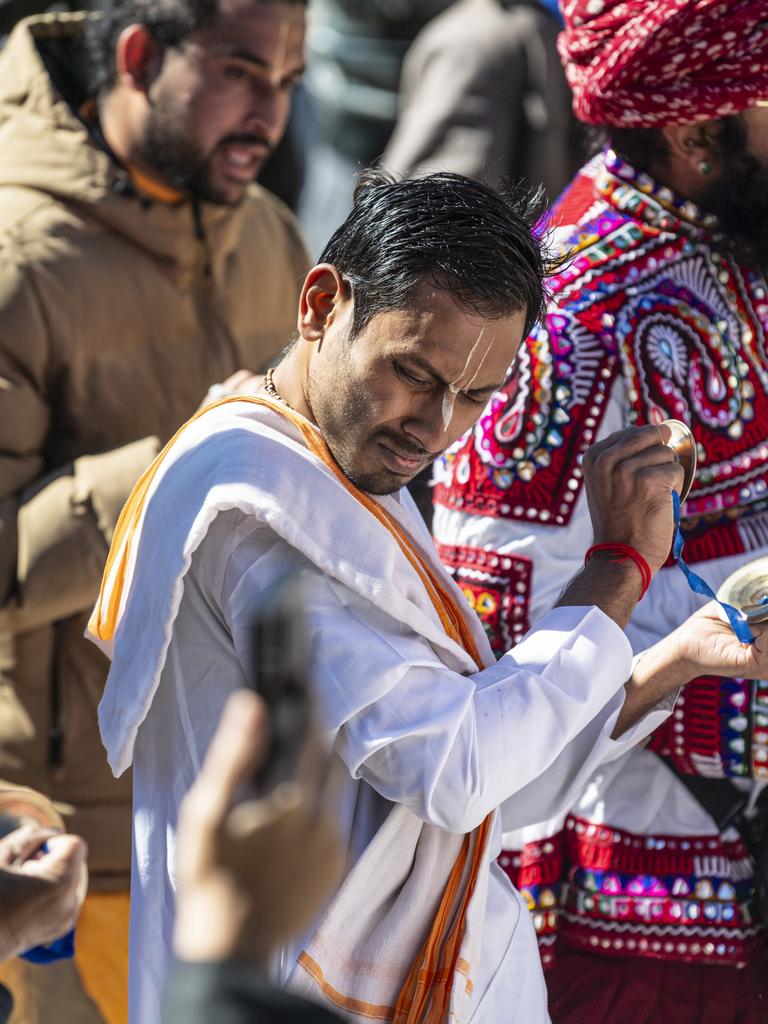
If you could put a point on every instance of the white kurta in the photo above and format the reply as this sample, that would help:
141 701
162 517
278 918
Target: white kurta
521 735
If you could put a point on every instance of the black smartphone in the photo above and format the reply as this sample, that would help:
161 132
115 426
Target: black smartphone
281 676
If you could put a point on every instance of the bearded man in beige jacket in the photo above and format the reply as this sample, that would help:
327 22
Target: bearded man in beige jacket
139 265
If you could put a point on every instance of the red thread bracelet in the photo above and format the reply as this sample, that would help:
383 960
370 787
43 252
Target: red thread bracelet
622 552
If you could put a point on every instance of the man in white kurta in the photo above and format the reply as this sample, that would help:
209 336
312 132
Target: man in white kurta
408 729
430 741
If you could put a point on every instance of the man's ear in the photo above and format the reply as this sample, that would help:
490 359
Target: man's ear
138 57
324 298
695 145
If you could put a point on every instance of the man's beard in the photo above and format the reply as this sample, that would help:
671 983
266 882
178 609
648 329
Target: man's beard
340 420
345 443
739 200
169 150
373 481
381 481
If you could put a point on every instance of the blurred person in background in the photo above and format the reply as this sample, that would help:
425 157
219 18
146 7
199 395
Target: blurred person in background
355 54
243 887
13 11
662 311
139 265
483 93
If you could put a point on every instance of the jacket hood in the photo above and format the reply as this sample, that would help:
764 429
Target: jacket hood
45 146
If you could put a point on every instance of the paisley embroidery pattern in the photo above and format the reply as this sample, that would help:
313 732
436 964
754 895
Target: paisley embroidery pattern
651 302
649 297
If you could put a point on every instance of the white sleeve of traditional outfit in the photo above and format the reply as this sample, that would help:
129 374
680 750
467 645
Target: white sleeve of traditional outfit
450 747
557 554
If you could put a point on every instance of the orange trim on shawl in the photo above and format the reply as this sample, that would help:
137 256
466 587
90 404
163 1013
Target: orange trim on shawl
104 621
425 996
375 1011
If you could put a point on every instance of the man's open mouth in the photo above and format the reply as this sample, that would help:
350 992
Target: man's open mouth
243 160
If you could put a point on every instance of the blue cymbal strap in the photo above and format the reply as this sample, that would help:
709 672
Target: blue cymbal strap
737 618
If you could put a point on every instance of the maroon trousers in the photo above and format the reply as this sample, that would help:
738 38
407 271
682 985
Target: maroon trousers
588 989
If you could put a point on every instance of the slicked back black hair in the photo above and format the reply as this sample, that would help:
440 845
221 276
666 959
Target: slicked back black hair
169 22
452 232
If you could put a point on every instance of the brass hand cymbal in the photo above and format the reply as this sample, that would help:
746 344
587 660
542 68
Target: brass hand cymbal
747 590
683 445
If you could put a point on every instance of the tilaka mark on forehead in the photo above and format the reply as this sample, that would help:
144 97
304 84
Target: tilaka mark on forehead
456 386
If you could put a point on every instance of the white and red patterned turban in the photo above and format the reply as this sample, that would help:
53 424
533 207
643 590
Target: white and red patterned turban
645 63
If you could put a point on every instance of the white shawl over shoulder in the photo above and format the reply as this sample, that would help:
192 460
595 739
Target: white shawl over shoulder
399 940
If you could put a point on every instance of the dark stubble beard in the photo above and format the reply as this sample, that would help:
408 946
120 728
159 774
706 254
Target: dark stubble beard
339 411
739 199
175 159
168 149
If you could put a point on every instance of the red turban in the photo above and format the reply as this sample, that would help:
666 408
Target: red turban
644 63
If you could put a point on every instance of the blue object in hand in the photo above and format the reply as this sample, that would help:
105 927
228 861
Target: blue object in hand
736 618
61 949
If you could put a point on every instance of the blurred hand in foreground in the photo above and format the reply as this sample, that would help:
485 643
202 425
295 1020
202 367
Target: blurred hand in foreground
40 891
252 874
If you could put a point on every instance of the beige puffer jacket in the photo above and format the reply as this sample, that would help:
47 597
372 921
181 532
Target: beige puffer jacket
116 315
